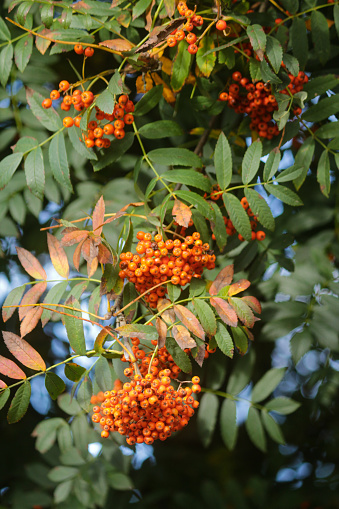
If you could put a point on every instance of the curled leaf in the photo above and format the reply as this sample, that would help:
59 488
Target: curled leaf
117 44
98 216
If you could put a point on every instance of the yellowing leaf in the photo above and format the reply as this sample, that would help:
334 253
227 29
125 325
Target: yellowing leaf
58 256
238 287
24 352
166 65
10 369
189 320
183 337
31 264
167 93
143 83
206 62
117 44
253 303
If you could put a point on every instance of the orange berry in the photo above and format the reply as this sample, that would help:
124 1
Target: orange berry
55 94
77 121
46 103
68 122
260 235
63 85
221 24
78 49
192 49
89 52
171 41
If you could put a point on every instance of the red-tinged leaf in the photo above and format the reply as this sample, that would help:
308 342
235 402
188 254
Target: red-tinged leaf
104 254
224 278
183 337
77 255
14 297
24 352
31 297
253 303
189 320
92 267
199 359
243 311
98 216
74 237
2 385
181 213
43 44
225 311
149 21
249 334
162 331
89 250
31 320
10 369
117 44
238 287
31 264
58 256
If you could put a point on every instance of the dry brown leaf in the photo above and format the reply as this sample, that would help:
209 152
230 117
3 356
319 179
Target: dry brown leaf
148 25
159 34
189 320
162 331
77 255
98 216
224 278
117 44
183 337
144 83
182 213
104 254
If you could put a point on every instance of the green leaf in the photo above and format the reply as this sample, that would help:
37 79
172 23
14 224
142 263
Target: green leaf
59 474
206 316
8 165
68 404
35 172
179 356
174 292
148 101
84 394
5 34
267 74
223 161
19 403
74 328
6 61
240 340
206 61
73 133
218 227
292 64
207 417
71 456
175 157
46 14
255 429
291 173
299 41
23 51
322 110
14 297
284 194
251 161
304 158
238 215
198 201
105 101
58 161
103 374
320 85
228 423
272 164
65 439
189 178
320 36
300 344
48 118
54 385
46 432
282 405
274 52
62 491
255 71
119 481
139 331
140 7
53 296
257 38
330 130
74 372
181 67
323 173
160 129
116 150
260 208
336 17
266 385
17 208
272 427
224 340
4 395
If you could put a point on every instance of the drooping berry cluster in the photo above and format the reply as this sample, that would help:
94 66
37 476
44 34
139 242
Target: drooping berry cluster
96 129
159 260
257 101
146 408
192 20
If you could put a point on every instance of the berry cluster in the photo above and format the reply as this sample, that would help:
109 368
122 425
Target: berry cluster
159 260
146 408
192 20
96 129
257 101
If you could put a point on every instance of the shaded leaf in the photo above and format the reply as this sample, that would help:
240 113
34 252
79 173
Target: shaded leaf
282 405
85 393
54 385
48 118
207 417
4 395
267 384
8 165
251 161
53 296
272 164
228 424
148 101
74 372
19 403
179 356
223 161
238 215
272 427
255 429
181 67
260 208
58 159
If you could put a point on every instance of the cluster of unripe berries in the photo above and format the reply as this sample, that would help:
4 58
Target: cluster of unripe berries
257 101
96 129
146 408
157 261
